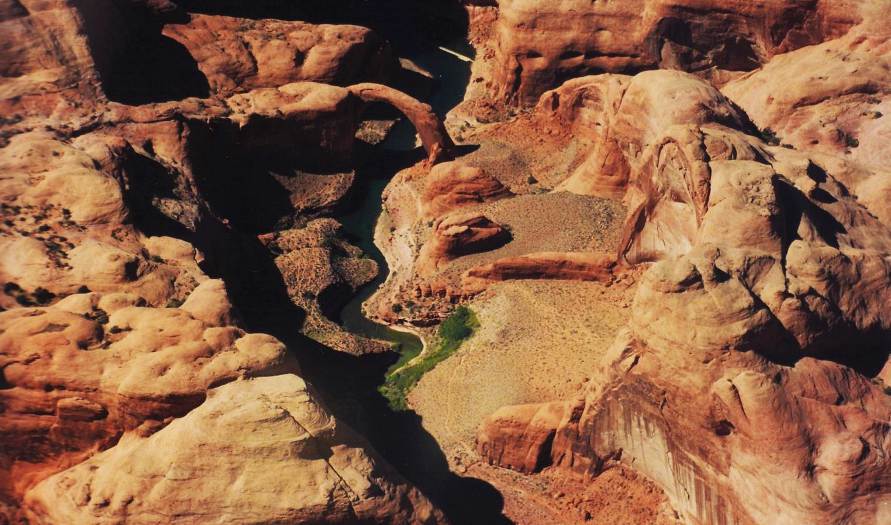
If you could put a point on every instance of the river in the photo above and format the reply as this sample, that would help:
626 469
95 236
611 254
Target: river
451 76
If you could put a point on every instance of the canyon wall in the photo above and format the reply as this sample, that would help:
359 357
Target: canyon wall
742 384
535 46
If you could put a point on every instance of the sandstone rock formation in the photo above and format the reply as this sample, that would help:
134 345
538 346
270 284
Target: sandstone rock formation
536 46
452 185
169 182
833 103
113 339
434 137
321 271
460 234
49 78
98 365
547 265
748 355
65 229
832 94
256 451
237 54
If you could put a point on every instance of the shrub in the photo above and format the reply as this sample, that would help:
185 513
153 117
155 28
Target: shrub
401 377
457 326
43 296
847 139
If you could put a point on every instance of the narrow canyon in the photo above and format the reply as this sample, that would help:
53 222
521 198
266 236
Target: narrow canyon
533 262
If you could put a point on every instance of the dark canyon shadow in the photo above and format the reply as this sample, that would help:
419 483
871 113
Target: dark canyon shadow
349 384
157 69
136 63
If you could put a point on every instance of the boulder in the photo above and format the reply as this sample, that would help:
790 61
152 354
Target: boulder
460 234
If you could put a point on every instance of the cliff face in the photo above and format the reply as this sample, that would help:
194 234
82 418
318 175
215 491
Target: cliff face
742 382
535 46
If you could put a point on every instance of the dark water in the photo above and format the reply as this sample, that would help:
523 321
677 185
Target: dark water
359 225
451 77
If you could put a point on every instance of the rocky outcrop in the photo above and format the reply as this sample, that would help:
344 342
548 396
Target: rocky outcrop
536 46
113 340
237 54
546 265
453 185
460 234
290 120
108 332
45 81
520 437
321 271
748 357
833 94
81 372
256 451
833 101
66 228
621 116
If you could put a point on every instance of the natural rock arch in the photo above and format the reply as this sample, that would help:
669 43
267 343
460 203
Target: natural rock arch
430 128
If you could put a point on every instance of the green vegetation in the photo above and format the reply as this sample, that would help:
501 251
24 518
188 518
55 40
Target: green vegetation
401 377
